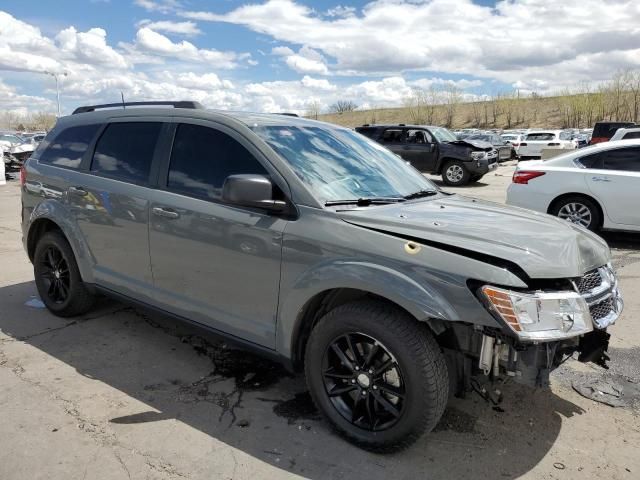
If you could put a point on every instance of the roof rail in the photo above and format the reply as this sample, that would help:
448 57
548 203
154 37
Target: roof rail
287 114
179 104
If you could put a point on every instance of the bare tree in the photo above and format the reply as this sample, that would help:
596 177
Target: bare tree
314 109
342 106
452 99
421 106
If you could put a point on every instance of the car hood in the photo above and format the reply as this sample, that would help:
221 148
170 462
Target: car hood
22 147
475 144
541 245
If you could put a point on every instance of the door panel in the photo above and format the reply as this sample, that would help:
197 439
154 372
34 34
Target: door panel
211 262
616 182
111 206
217 265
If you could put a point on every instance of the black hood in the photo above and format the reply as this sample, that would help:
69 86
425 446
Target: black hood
474 144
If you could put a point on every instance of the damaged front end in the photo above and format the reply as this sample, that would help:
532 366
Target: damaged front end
541 329
15 156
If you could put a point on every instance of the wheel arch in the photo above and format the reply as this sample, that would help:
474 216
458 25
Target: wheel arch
443 161
323 302
564 196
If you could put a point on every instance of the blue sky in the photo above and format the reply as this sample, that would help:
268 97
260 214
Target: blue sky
279 55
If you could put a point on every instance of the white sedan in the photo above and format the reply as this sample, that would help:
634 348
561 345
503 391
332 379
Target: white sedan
597 187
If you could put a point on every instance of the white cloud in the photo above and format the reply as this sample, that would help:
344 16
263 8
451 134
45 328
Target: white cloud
517 39
319 84
160 6
188 29
340 11
306 65
149 41
89 47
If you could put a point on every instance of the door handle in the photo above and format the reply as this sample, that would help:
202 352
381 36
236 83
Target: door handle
165 212
77 191
600 179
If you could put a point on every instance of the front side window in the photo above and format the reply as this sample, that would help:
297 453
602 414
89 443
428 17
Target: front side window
125 151
565 136
624 159
420 137
338 164
202 158
68 147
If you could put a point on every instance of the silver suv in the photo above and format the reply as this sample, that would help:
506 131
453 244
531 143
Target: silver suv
318 247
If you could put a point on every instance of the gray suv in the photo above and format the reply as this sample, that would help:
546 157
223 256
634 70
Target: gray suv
315 246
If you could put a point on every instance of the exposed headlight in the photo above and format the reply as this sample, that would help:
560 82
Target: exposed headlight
540 315
478 155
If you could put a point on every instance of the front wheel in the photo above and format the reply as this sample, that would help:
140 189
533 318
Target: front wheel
376 374
455 174
579 210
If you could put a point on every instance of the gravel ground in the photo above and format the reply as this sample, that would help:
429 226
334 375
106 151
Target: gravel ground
124 393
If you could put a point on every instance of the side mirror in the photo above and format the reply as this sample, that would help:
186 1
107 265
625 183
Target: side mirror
432 147
250 190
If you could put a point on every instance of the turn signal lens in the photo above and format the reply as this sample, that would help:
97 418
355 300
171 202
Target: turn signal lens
540 315
522 176
23 176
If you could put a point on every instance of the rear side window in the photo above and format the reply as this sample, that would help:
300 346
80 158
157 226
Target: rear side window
392 136
68 147
202 158
125 150
592 161
630 135
625 159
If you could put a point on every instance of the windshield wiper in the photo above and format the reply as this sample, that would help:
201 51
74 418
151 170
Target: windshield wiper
421 194
365 201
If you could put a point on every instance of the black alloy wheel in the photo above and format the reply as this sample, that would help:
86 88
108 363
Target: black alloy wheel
364 382
55 273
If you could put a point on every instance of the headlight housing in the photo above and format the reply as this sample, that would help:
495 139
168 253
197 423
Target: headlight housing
478 155
540 315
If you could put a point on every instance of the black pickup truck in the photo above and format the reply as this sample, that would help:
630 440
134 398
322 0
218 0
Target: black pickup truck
436 150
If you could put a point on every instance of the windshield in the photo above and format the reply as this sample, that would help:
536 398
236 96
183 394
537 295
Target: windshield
338 164
443 135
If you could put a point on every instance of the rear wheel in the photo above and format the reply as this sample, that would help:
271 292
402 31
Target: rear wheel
579 210
377 375
454 173
57 277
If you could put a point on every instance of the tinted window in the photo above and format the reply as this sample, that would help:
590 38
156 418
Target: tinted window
68 147
626 159
630 135
125 151
392 136
592 161
202 158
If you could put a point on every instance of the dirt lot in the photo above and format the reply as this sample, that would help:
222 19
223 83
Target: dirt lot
123 393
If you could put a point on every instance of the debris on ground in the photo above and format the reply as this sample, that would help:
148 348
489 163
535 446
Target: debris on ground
604 391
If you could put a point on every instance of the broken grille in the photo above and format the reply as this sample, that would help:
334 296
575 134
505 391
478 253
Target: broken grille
589 281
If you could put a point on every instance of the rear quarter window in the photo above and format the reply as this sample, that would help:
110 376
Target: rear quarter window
67 148
630 135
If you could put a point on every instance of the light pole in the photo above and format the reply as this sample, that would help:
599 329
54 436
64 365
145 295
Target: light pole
55 75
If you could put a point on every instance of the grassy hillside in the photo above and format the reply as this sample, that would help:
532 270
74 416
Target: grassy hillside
544 112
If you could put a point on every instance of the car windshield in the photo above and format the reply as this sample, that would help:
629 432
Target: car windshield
338 164
443 135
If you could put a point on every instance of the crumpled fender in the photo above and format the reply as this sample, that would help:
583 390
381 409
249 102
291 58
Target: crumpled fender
421 300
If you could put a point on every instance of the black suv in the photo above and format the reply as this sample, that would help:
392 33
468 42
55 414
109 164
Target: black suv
436 150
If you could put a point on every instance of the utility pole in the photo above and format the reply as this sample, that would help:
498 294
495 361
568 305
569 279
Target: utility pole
55 75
